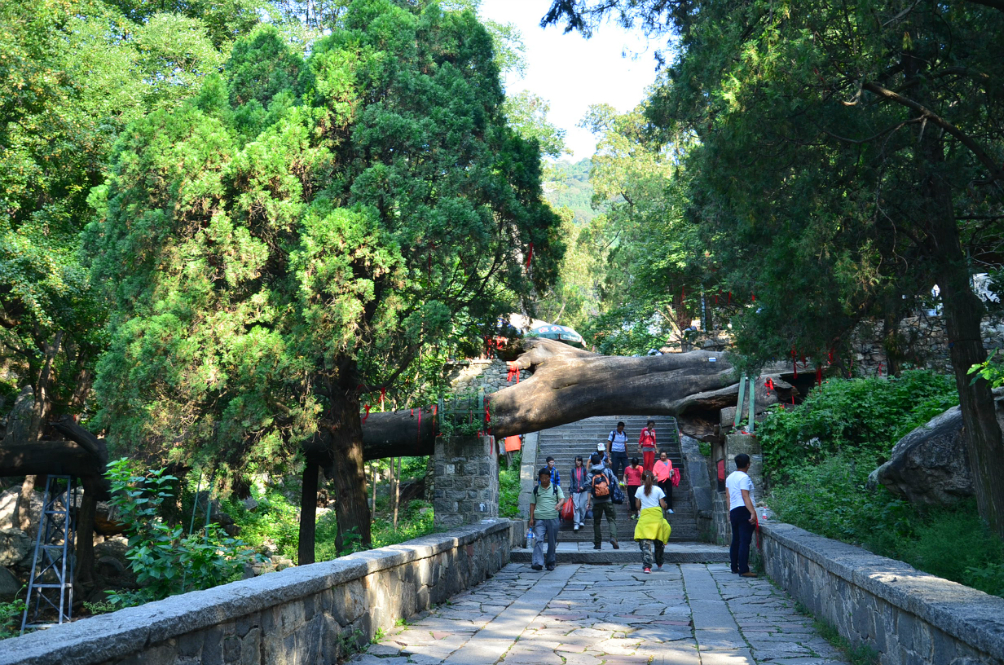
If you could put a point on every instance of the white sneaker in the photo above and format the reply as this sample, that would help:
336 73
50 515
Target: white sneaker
576 528
670 511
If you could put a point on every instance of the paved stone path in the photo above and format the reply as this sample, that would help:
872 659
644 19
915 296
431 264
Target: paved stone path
686 614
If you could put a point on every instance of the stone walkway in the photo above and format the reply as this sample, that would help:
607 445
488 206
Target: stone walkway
686 614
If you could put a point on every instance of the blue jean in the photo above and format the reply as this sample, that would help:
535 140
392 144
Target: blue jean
618 462
742 536
544 529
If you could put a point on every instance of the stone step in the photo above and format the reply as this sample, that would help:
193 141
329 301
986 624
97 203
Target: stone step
675 552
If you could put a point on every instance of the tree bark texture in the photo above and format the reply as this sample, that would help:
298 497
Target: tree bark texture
963 316
308 514
569 384
85 533
339 445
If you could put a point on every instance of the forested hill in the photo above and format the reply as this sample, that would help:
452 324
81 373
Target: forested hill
569 186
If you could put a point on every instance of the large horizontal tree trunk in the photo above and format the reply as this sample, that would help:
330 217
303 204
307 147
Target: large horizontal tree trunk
569 384
64 458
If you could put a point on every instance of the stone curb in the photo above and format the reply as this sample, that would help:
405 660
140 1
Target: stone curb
971 616
116 635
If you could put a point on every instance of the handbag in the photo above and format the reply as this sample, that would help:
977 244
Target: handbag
568 510
676 477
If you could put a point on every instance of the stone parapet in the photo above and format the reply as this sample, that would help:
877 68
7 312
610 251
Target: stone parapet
309 614
905 615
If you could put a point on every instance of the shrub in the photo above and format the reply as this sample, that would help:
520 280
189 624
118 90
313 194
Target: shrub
10 618
509 487
275 520
860 418
164 559
414 521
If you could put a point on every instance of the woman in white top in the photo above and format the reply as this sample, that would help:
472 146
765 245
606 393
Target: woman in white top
652 530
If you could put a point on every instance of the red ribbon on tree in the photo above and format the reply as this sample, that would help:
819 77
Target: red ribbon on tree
367 407
880 369
830 356
769 383
529 256
819 375
513 370
383 394
730 297
753 296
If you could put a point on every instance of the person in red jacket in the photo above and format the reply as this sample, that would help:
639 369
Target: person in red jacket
646 445
663 471
632 476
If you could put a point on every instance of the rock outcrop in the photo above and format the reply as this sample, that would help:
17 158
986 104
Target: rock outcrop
930 465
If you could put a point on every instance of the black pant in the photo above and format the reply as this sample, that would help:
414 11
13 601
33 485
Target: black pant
742 536
632 491
618 460
667 487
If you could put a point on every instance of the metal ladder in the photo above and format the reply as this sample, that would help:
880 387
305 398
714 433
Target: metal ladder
51 579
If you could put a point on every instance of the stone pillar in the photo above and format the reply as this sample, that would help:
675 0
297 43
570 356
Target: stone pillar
466 480
746 443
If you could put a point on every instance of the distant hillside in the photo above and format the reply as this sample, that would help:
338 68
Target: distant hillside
568 185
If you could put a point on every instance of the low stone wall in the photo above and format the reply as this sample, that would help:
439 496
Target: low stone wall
905 615
310 614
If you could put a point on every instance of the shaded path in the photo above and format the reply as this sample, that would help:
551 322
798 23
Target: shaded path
688 614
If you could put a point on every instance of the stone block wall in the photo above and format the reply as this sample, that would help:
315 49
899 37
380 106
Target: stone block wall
467 480
472 375
306 615
907 616
924 342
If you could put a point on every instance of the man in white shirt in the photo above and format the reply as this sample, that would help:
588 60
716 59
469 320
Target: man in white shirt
742 515
617 450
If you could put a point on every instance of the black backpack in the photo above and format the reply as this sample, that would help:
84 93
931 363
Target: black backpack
554 489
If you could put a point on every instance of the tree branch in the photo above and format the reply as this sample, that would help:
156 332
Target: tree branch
996 173
995 4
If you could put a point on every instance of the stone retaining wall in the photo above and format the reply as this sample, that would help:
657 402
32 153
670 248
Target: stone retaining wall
310 614
905 615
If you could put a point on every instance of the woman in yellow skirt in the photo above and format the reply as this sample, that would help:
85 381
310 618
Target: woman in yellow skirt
652 530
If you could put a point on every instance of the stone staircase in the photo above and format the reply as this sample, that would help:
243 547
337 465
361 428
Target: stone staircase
580 438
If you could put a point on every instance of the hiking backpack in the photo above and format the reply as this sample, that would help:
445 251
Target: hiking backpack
599 484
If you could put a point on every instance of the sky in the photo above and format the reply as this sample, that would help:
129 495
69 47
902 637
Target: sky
573 73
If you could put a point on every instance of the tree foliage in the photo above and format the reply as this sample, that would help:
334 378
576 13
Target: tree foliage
293 237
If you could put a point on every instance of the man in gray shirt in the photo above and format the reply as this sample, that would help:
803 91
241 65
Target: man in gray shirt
545 502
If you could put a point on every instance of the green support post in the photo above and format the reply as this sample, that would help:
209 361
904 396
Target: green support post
752 399
739 403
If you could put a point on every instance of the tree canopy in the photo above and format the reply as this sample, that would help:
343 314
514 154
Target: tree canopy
300 230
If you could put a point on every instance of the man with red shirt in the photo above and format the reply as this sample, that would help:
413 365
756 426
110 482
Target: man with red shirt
646 445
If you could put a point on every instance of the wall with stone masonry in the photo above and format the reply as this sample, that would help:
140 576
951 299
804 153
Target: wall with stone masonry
905 615
467 480
308 614
472 375
924 342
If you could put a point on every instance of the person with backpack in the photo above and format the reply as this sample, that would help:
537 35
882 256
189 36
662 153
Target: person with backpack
742 515
555 476
602 485
647 445
652 531
579 490
632 476
617 449
545 502
663 472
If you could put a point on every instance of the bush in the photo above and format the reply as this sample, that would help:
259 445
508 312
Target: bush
509 487
414 521
859 418
275 520
164 559
10 618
